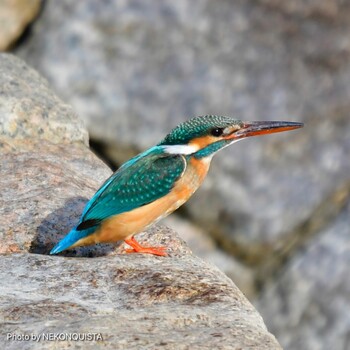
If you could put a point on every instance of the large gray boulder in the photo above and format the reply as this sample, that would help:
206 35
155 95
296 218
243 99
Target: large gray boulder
29 122
29 110
133 301
115 300
136 69
47 171
308 306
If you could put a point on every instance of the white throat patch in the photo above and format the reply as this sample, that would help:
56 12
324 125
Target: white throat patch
180 149
189 149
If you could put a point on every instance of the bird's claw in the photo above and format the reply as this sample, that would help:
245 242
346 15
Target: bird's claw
137 248
160 251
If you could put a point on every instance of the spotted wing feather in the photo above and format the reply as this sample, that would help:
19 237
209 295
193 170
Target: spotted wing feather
134 185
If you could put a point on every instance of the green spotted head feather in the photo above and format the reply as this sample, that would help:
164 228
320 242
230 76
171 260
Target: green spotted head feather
197 127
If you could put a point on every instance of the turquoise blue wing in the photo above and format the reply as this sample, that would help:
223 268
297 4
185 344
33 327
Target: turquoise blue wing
141 181
150 152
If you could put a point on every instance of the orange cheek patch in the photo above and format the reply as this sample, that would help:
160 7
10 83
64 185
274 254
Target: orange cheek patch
203 141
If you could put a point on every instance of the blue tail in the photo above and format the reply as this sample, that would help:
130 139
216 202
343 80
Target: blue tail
71 238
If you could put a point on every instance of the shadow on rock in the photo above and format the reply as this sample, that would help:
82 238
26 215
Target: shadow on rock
56 225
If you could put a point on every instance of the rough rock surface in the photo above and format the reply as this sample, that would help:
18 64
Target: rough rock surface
30 110
44 188
308 307
34 168
15 15
136 69
204 246
134 301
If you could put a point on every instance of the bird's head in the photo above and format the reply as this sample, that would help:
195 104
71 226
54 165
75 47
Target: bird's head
204 136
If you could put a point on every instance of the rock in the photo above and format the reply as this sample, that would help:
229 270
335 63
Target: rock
134 70
15 15
44 188
307 307
119 301
203 246
133 301
30 110
321 9
33 121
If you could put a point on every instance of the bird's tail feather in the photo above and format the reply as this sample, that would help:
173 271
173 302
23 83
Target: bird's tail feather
72 237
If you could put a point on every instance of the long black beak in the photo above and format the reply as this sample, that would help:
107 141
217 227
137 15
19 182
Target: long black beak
261 128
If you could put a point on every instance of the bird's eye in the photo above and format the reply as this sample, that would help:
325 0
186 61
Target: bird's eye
217 132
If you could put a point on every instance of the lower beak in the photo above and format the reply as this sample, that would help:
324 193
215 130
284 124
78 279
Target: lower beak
262 128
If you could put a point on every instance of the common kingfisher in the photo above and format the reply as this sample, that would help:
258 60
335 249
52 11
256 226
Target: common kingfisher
156 182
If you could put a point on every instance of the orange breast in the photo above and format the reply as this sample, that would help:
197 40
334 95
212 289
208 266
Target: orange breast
127 224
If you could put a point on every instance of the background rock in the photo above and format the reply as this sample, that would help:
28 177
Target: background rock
44 188
30 110
15 15
34 169
307 307
134 301
205 247
136 69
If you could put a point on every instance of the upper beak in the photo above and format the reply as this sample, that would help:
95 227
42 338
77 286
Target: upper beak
262 128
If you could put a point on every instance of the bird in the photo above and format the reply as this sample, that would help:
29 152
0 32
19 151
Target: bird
153 184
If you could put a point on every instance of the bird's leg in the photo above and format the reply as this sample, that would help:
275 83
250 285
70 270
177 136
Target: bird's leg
137 248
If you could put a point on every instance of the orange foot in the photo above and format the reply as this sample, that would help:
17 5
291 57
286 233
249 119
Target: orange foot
137 248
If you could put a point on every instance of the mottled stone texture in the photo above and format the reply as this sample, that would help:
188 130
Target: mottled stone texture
205 247
315 290
136 69
15 15
29 109
44 188
134 301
